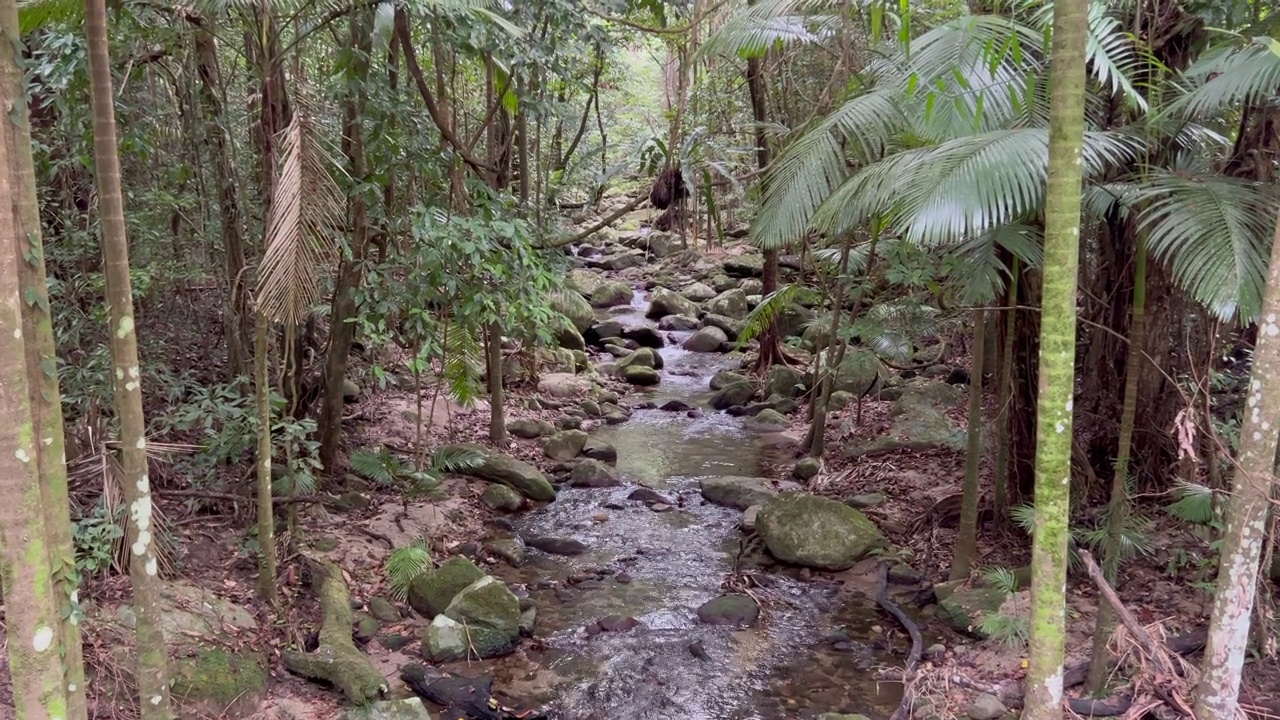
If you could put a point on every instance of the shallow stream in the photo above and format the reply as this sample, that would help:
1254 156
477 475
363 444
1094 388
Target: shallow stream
811 651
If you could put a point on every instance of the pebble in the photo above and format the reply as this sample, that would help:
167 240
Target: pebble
660 507
600 517
622 578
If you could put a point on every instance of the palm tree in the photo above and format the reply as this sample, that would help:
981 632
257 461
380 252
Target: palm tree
153 673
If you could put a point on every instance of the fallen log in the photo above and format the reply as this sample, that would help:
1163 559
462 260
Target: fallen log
336 660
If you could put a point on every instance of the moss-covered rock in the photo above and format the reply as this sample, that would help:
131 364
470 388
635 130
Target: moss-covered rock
736 492
725 378
768 419
383 610
640 375
730 303
963 607
611 293
783 380
507 470
483 621
432 591
663 302
219 680
501 497
594 474
643 357
919 421
403 709
738 393
530 428
816 532
576 308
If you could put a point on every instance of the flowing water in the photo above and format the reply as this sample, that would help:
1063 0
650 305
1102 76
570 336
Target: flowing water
809 653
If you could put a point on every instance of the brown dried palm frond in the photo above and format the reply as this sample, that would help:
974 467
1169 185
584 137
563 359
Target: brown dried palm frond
303 223
94 469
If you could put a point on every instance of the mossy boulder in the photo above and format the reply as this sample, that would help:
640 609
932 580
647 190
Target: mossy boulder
663 302
784 380
698 292
744 266
530 428
730 303
219 680
402 709
732 327
594 474
576 308
736 492
768 419
732 609
964 606
725 378
567 444
502 497
643 357
738 393
483 621
611 293
585 281
640 375
816 532
919 421
431 592
568 336
708 339
499 468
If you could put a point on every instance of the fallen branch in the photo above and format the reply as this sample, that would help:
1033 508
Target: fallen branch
337 660
598 226
913 629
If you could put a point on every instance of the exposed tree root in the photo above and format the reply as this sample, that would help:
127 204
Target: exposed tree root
913 629
337 660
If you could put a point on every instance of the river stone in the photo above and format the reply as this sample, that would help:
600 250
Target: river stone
502 497
574 307
511 550
699 292
499 468
721 282
619 261
644 357
732 609
565 445
744 266
649 495
563 385
865 500
748 522
594 474
530 428
568 337
806 468
646 337
732 328
839 400
403 709
678 323
986 707
585 281
725 378
736 492
640 375
491 615
708 339
963 607
919 421
365 627
611 293
431 592
816 532
604 333
730 303
602 451
738 393
768 419
556 546
383 610
569 422
785 381
663 302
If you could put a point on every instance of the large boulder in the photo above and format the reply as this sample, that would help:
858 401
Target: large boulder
678 323
793 319
641 376
499 468
594 474
483 621
611 293
568 336
563 385
730 304
783 380
740 493
575 307
565 445
431 592
664 302
733 609
646 337
724 378
708 339
585 281
644 357
530 428
731 326
816 532
738 393
744 266
919 421
699 292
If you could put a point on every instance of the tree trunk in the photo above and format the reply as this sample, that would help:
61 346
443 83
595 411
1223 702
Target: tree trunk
1043 700
31 605
152 674
41 359
1006 383
1217 694
824 382
224 173
493 365
342 332
967 542
266 507
1118 508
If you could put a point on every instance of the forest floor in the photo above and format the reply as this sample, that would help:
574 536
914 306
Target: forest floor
1166 588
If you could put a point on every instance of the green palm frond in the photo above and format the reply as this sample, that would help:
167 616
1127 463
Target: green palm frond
764 314
1112 57
1001 578
1215 232
1195 504
814 165
306 206
752 30
1228 76
460 373
404 565
978 274
378 465
456 459
35 14
1101 200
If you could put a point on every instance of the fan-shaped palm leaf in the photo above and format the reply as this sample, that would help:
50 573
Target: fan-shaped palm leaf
306 205
1112 56
1228 76
1215 232
979 274
754 29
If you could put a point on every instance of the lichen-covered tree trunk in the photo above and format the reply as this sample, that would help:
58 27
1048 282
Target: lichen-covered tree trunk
152 674
31 608
1043 699
41 357
1119 505
967 541
1217 694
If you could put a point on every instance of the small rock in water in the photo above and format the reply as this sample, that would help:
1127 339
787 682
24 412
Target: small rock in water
694 413
616 623
675 406
729 610
600 517
697 650
660 507
648 495
611 505
556 546
622 578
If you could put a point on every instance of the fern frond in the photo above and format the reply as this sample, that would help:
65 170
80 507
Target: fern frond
764 314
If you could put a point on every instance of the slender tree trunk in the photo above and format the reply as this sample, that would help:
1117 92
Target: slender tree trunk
823 381
153 673
41 358
493 362
1118 509
1043 699
31 605
342 332
1007 376
967 542
266 506
1217 694
237 319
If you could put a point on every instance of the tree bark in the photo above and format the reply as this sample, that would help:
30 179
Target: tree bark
266 495
1057 363
152 674
493 365
967 542
1003 477
31 606
1217 694
41 358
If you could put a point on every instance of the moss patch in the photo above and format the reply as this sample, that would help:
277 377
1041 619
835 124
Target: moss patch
219 680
